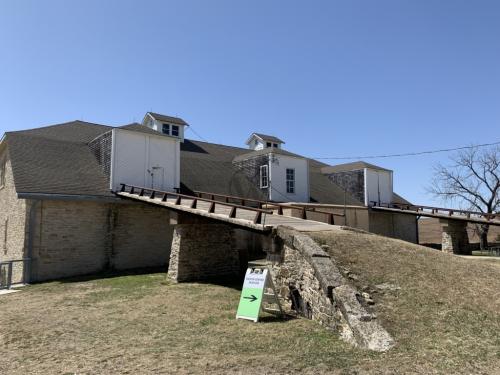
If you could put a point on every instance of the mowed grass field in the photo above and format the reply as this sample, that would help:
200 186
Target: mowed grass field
445 318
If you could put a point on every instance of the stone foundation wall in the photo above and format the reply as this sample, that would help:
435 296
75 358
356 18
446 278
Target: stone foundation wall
455 239
302 271
13 218
203 251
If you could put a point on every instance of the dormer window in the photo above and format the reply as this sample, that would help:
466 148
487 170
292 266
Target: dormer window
259 141
166 125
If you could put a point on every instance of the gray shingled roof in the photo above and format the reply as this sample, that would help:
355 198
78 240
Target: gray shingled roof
57 160
264 151
41 163
169 119
351 167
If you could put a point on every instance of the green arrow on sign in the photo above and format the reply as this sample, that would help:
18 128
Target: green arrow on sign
252 298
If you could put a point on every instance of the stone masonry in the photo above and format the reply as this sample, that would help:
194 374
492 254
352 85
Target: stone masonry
455 239
203 251
13 218
81 237
308 279
69 238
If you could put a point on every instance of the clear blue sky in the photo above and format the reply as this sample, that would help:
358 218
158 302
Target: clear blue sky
332 78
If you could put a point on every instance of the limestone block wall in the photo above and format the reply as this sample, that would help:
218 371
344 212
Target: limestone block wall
308 279
82 237
13 217
142 236
70 239
202 251
455 239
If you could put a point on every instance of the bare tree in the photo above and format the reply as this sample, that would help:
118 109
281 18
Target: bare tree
472 180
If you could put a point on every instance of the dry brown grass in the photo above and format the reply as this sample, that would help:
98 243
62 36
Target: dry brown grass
445 319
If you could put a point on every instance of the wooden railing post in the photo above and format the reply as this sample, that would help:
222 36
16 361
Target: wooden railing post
232 213
178 201
122 188
141 194
258 217
331 219
280 210
193 203
211 209
304 213
153 193
165 196
132 190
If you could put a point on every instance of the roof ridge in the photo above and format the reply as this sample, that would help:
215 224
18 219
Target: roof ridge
61 124
40 136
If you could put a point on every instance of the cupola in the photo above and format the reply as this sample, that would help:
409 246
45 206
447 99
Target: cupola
167 125
258 141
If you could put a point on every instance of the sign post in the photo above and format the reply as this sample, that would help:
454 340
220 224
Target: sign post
252 294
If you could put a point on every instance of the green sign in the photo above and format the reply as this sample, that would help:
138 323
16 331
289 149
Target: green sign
252 293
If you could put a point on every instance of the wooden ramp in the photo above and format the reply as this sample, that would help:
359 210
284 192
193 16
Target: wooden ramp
255 215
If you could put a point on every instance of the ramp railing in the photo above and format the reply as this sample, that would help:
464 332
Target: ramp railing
193 201
330 216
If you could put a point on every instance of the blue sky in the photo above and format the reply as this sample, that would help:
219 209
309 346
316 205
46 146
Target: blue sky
331 78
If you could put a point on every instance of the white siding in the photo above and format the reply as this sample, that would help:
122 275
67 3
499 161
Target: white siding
144 160
277 174
378 186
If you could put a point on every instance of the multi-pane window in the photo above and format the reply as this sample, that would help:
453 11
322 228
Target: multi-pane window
290 181
264 176
165 129
175 130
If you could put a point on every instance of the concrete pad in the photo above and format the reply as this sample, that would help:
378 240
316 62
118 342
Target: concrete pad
8 291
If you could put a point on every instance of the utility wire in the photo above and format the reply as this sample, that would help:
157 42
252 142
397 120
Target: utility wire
409 153
195 133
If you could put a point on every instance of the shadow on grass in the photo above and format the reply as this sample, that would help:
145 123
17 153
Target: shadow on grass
107 274
233 282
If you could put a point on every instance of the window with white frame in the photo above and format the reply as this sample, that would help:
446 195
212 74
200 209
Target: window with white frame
290 181
175 130
264 176
165 129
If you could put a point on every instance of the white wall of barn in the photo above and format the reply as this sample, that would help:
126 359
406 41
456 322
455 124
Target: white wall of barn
277 175
378 186
144 160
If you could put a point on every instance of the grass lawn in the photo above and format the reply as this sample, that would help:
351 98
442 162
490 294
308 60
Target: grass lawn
140 324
